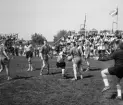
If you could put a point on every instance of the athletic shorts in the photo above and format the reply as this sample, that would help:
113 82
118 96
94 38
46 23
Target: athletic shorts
101 51
118 71
4 60
77 60
60 64
29 54
45 57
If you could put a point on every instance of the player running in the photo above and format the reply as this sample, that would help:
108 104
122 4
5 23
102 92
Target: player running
45 50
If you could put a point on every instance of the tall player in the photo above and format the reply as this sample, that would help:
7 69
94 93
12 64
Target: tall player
77 60
44 53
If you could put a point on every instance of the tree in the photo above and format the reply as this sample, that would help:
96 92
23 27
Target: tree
61 33
37 38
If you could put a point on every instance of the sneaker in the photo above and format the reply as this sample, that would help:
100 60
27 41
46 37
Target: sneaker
81 77
28 70
106 88
41 73
119 98
9 78
73 79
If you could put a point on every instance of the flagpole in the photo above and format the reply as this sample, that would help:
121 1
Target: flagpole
85 24
117 17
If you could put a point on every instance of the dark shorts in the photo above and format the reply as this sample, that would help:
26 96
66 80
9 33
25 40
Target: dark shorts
29 54
60 64
45 57
118 71
101 51
4 61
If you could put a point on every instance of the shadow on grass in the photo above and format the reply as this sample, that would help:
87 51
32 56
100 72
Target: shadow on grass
21 77
88 76
78 77
58 72
114 95
37 69
94 69
68 76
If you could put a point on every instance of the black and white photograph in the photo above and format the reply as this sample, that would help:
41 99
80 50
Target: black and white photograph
61 52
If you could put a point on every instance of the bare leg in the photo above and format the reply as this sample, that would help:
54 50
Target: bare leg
43 65
80 69
75 71
29 63
2 67
63 72
119 93
104 74
48 66
7 72
88 64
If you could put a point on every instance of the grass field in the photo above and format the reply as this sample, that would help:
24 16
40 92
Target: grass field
28 88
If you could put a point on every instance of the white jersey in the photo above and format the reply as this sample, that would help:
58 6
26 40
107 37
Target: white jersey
29 48
20 47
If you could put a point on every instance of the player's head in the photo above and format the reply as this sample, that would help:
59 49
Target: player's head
45 42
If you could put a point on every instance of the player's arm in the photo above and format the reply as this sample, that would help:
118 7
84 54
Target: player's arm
107 52
5 54
41 52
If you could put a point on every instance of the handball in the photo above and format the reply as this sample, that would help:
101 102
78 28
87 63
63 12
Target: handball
69 58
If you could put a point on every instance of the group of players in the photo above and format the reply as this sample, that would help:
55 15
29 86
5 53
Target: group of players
76 56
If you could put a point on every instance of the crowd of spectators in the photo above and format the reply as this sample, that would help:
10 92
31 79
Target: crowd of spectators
100 44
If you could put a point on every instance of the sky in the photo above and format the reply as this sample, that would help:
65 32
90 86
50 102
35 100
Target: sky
47 17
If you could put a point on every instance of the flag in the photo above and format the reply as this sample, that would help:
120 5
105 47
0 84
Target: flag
114 12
